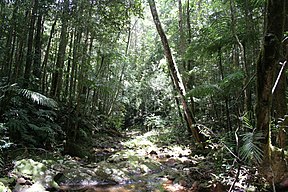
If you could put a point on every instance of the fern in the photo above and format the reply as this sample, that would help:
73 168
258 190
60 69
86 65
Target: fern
38 98
1 159
246 121
27 122
232 81
250 149
204 90
257 3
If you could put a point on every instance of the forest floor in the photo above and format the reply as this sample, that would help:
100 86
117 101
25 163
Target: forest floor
141 162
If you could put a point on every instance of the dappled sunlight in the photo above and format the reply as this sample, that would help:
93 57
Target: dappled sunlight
143 96
142 163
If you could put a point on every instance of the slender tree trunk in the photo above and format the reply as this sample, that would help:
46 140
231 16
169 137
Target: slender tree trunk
9 48
74 67
37 54
46 57
250 28
29 55
18 69
242 58
182 43
7 57
227 111
189 66
175 74
57 76
182 47
178 104
122 73
68 70
12 60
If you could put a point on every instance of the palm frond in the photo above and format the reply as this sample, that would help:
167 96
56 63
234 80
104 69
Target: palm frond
1 160
250 149
38 98
232 81
246 121
257 3
204 90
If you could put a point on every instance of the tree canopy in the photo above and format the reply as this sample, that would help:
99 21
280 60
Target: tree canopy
211 72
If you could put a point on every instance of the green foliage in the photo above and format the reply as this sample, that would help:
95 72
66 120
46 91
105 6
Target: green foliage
253 3
250 150
4 188
232 82
29 116
154 122
38 98
31 127
1 160
29 168
204 90
229 84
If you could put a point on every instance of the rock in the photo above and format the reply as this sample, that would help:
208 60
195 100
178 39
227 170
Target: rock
183 183
218 187
58 176
36 187
171 162
21 181
167 156
195 187
153 153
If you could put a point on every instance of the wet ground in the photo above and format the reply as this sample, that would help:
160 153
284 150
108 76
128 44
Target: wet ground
141 162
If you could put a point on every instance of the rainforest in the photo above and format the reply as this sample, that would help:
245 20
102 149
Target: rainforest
143 95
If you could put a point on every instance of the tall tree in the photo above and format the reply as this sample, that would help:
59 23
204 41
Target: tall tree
177 80
46 57
269 58
30 54
58 71
38 52
279 98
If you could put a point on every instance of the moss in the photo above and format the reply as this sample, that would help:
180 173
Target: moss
4 188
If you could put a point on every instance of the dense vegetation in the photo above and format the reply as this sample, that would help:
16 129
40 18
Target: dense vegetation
210 72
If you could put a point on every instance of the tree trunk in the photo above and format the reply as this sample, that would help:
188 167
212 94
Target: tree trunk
177 80
250 28
74 67
279 99
227 111
19 67
29 55
37 53
45 61
189 63
68 70
242 56
266 67
57 76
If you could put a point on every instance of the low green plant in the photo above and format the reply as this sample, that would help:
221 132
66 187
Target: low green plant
154 121
249 149
28 116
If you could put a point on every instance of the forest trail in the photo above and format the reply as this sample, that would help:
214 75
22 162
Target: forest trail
138 162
